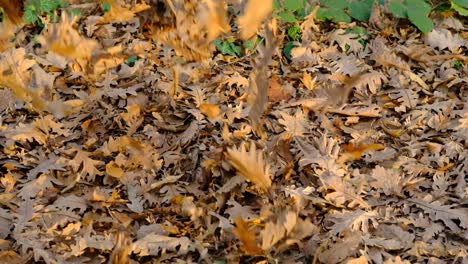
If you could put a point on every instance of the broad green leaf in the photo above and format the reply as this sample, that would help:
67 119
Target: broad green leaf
293 5
461 3
419 18
333 14
361 10
418 6
398 9
462 11
338 4
287 17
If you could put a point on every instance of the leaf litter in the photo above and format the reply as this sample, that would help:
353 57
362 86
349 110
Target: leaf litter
126 138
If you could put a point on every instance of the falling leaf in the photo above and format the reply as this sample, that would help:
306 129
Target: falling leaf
63 39
250 165
255 12
247 237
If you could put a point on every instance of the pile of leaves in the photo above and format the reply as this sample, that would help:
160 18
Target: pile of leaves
126 136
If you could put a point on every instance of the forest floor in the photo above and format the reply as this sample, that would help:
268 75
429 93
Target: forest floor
127 137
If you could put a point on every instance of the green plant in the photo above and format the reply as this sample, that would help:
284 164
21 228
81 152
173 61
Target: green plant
290 11
417 11
228 47
457 65
37 8
231 46
344 10
362 35
461 6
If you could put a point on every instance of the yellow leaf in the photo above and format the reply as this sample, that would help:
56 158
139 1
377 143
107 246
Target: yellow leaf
210 110
113 170
250 165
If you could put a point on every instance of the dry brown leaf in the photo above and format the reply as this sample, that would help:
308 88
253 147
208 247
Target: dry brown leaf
255 12
276 92
250 165
247 237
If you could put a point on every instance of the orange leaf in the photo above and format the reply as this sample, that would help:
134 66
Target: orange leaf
247 237
353 152
210 110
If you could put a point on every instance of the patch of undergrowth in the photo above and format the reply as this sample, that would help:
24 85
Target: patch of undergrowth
35 10
416 11
235 47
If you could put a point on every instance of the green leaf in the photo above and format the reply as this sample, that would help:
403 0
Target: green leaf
462 11
418 6
288 48
106 7
294 32
398 9
338 4
227 48
287 16
333 14
293 5
457 65
419 18
461 3
49 5
131 60
361 10
30 16
249 45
